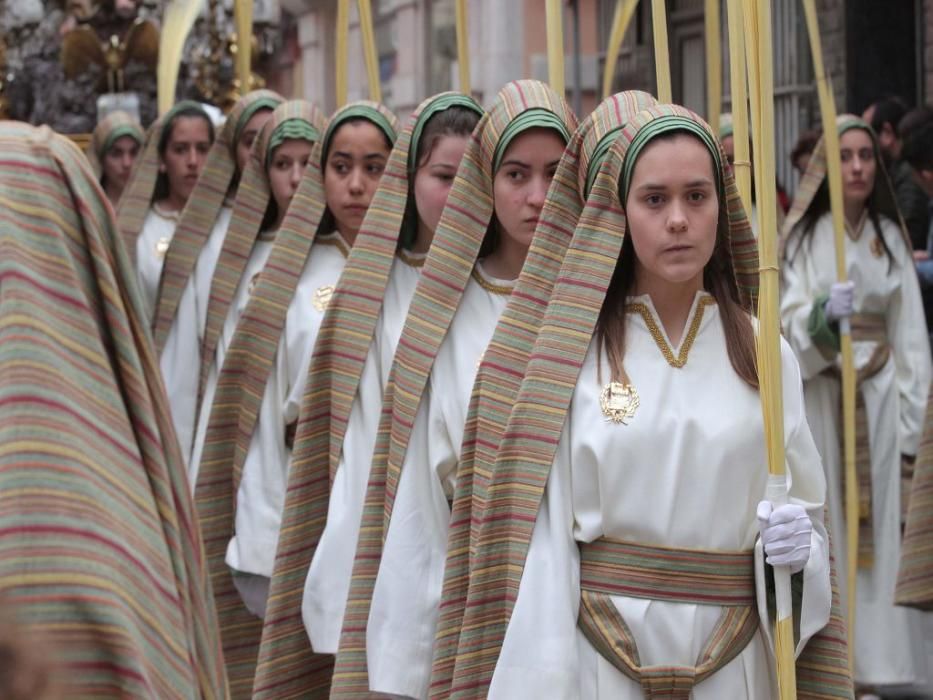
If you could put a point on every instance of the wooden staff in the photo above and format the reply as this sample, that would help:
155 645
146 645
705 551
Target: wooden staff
742 164
243 18
620 21
834 173
758 36
463 48
555 45
343 31
662 56
369 49
713 62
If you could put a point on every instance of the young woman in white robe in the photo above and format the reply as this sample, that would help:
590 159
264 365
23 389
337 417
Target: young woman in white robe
439 133
353 154
638 428
184 140
405 599
882 291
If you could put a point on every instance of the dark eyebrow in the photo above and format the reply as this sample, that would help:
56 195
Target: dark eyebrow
371 156
513 161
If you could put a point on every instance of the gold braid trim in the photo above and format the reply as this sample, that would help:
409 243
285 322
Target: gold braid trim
681 359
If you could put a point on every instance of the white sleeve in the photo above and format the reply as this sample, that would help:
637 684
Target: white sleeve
907 332
806 486
407 593
539 657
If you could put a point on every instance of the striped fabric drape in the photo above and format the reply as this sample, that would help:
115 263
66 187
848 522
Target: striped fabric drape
287 665
200 213
915 578
137 195
100 549
503 366
448 266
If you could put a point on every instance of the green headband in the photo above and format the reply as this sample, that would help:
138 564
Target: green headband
529 119
290 129
441 104
664 125
248 113
599 157
118 133
170 115
357 112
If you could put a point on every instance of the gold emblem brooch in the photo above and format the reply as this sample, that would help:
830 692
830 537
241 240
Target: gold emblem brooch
618 402
253 281
161 246
322 297
876 248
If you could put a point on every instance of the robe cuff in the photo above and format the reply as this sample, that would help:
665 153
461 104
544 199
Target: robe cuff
812 606
825 334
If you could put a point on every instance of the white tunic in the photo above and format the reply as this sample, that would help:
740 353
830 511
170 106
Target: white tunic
686 471
151 246
181 356
261 496
257 260
328 581
407 593
888 647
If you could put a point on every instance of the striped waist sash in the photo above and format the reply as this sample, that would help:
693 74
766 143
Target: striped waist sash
871 328
616 568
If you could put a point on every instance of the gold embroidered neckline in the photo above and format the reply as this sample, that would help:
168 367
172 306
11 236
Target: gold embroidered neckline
166 213
500 288
335 239
681 359
415 260
856 233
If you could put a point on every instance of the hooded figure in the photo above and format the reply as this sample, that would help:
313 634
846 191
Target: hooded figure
506 358
599 484
242 470
101 551
892 359
348 372
184 288
451 318
107 133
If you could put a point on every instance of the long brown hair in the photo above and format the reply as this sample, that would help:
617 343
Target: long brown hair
718 280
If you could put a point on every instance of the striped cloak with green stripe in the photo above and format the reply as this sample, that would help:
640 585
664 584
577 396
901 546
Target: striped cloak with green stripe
450 261
241 384
100 549
506 358
287 666
527 449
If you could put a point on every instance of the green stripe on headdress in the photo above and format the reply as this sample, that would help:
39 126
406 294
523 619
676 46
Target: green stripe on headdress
291 129
598 157
529 119
358 112
119 132
664 125
441 104
269 103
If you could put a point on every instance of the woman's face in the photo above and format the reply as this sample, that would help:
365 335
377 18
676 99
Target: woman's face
355 161
118 161
434 178
248 135
185 154
858 165
520 185
672 210
286 168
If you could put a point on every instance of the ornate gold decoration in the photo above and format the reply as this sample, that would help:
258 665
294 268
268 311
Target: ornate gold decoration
322 297
251 287
161 246
411 259
221 90
502 289
618 402
876 248
82 48
681 359
336 240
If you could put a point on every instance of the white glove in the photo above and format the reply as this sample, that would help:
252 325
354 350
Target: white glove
254 590
841 302
785 534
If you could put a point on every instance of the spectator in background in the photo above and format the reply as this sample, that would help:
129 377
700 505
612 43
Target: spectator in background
917 152
800 156
885 116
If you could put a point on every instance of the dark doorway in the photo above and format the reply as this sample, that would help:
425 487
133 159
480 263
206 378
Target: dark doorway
881 51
